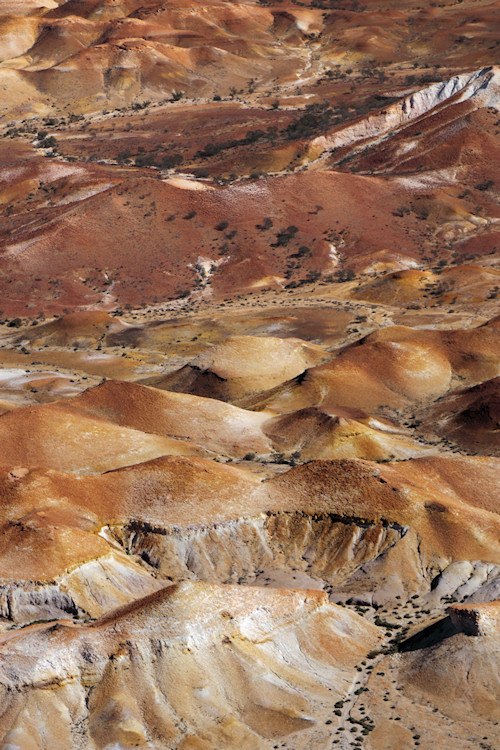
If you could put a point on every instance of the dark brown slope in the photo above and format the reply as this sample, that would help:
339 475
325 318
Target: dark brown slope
470 418
193 236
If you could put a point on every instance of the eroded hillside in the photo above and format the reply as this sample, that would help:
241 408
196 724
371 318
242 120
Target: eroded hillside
249 367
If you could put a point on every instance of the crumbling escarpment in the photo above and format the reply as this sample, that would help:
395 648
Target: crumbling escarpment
82 593
326 547
353 528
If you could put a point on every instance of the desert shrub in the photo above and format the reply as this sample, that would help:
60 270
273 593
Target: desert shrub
201 172
123 156
145 160
484 185
171 160
345 275
315 117
266 224
284 237
48 142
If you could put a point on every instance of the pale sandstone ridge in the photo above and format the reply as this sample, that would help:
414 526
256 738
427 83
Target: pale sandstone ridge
162 666
481 85
86 590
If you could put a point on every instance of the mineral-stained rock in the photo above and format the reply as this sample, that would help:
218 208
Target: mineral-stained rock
249 369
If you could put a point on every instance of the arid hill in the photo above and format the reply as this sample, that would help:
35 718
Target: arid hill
342 525
327 140
249 367
395 369
471 418
191 636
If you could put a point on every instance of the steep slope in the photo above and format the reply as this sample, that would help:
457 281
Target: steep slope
346 526
471 418
195 236
447 688
217 426
314 433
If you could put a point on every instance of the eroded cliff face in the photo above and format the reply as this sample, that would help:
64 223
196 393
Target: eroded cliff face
481 86
348 526
246 550
139 604
82 593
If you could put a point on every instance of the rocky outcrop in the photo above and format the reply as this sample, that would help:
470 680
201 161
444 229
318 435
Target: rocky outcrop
326 547
84 592
482 85
476 619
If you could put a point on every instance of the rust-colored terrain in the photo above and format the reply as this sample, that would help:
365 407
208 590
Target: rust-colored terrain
249 375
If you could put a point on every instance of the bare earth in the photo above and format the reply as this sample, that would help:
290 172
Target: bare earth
249 375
